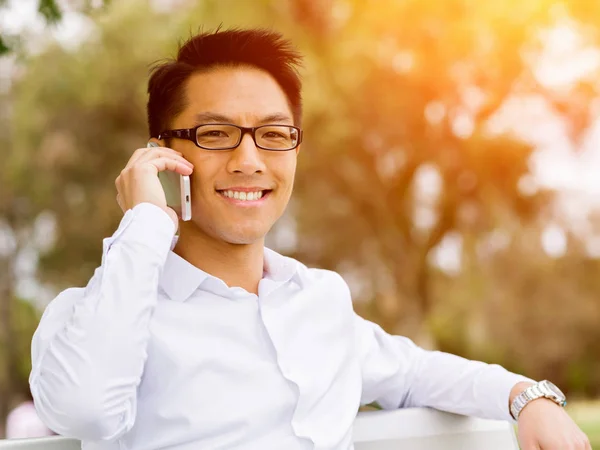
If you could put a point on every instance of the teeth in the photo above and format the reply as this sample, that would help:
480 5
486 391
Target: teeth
244 196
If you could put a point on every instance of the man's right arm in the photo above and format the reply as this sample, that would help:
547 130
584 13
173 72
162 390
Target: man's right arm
89 350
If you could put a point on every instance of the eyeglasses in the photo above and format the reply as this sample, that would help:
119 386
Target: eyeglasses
225 136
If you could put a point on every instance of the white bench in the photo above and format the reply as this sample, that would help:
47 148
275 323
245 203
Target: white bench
428 429
46 443
406 429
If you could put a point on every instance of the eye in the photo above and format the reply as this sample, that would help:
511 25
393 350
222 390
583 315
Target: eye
214 133
275 134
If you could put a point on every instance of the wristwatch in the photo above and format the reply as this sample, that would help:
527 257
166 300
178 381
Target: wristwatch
543 389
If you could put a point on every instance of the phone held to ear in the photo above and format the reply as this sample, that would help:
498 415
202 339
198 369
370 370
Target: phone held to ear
177 191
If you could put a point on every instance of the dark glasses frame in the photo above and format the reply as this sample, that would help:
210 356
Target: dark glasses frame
190 134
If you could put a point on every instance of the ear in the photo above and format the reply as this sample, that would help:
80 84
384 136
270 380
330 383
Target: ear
298 149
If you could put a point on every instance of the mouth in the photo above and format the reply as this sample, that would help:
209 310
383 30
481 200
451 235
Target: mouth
244 196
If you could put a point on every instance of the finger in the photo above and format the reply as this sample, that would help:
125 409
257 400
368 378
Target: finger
143 152
154 152
160 153
135 156
145 159
165 163
586 443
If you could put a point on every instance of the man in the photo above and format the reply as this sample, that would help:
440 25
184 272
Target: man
217 342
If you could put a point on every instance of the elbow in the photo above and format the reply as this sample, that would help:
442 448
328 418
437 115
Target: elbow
81 413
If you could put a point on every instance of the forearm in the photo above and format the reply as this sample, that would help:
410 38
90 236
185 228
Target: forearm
451 383
87 365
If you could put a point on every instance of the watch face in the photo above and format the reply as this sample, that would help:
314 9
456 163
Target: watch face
555 390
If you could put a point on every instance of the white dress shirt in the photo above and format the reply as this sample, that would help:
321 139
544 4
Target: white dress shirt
155 353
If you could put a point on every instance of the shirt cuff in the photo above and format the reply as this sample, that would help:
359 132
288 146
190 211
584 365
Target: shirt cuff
148 225
505 382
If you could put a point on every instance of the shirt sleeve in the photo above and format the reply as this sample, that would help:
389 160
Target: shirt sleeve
89 350
397 373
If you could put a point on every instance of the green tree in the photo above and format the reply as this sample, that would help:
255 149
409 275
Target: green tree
405 85
50 12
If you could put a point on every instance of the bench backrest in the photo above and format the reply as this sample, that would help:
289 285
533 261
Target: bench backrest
428 429
46 443
409 429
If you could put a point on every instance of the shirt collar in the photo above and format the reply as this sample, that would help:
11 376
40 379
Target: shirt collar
180 279
278 267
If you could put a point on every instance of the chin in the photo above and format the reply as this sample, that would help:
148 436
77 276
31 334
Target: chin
251 233
242 239
239 235
237 232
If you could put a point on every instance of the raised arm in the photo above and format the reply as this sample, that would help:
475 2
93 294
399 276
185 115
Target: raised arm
89 350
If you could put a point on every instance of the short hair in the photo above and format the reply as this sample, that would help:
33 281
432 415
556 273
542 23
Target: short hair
260 48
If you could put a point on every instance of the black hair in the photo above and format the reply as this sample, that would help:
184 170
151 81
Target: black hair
264 49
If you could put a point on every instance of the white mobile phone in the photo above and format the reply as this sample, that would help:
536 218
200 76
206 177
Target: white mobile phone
177 191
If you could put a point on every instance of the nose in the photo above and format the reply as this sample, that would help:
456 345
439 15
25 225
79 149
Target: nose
246 158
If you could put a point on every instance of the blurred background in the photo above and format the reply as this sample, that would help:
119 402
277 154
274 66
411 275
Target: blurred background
450 171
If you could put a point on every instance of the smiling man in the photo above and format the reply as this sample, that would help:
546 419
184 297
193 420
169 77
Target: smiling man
212 341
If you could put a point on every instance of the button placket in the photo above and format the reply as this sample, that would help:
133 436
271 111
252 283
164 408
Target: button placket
272 312
266 314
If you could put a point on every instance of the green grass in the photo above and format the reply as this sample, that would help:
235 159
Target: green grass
587 416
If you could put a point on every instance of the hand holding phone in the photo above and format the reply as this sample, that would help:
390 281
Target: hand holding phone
177 190
138 182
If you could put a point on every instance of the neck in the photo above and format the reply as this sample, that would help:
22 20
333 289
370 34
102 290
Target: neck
238 265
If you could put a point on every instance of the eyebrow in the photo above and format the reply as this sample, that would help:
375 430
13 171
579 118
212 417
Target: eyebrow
220 118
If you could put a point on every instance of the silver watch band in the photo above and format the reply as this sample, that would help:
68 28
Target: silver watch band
543 389
528 395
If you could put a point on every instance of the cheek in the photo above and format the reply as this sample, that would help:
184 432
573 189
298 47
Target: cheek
285 171
205 173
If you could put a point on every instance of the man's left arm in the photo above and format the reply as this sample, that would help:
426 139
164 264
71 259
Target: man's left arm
397 373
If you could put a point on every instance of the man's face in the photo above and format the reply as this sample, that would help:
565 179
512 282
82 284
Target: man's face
245 97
